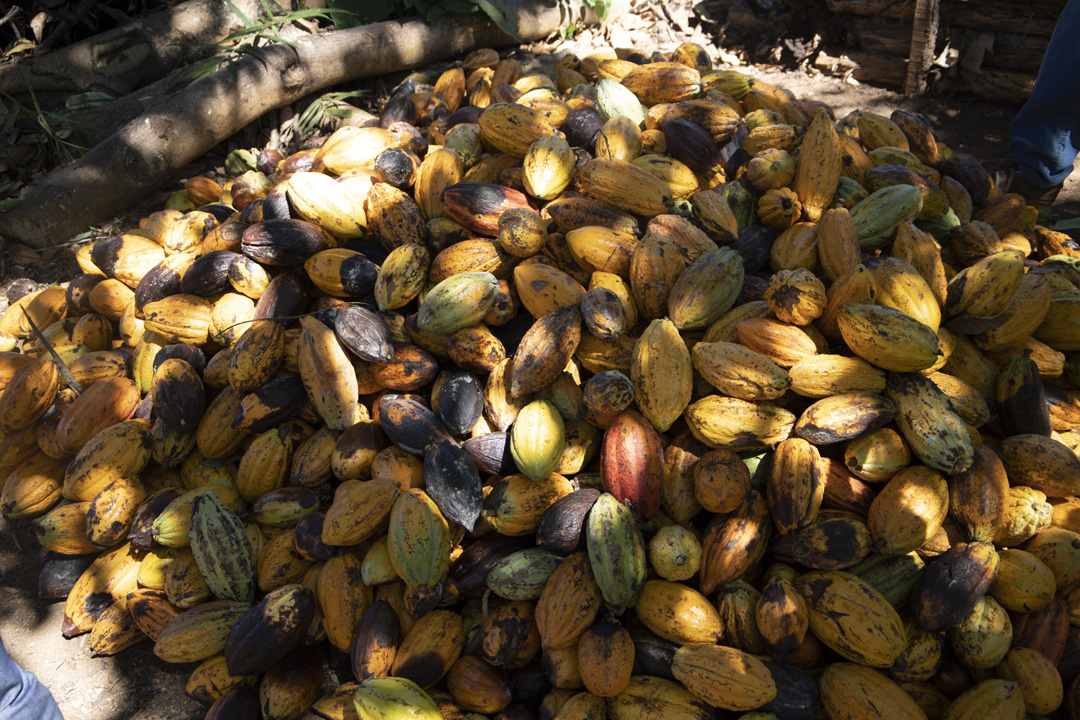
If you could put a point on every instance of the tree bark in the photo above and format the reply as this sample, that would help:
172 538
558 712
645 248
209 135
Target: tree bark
140 156
105 120
923 39
121 60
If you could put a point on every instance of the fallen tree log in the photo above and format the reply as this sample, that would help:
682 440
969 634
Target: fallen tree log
121 60
108 118
135 160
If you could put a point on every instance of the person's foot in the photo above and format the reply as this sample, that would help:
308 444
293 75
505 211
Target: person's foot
1032 193
1009 178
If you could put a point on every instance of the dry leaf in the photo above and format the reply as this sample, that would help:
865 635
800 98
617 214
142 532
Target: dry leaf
23 45
38 24
23 254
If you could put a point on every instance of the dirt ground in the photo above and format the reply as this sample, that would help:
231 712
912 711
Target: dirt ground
133 684
136 685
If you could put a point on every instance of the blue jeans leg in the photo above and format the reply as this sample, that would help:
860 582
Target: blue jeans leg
22 696
1044 143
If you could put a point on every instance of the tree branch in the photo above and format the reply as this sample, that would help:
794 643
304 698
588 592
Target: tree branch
135 160
120 60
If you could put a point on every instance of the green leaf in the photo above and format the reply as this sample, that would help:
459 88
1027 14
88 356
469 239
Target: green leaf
239 13
249 49
85 235
87 100
500 16
310 118
198 71
271 8
240 161
1070 224
601 7
345 95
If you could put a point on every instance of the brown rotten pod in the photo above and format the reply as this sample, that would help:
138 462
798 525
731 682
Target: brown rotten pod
287 294
178 395
237 703
342 272
409 424
397 167
364 333
952 583
309 538
469 570
460 401
453 482
491 453
78 292
59 573
375 642
562 526
269 631
209 274
292 685
284 243
270 404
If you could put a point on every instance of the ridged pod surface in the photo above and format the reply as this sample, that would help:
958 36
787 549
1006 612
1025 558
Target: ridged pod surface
222 549
851 617
631 463
678 613
268 632
660 369
706 289
927 421
723 676
616 551
419 543
328 375
851 690
818 170
393 698
477 372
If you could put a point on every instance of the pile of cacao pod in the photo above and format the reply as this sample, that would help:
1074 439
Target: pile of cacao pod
644 392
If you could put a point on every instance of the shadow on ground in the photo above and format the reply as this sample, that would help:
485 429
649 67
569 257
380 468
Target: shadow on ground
134 685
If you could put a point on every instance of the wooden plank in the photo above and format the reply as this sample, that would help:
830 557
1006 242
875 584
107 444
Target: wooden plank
892 9
873 67
1029 18
1002 85
1016 52
882 35
1025 18
1010 51
879 68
